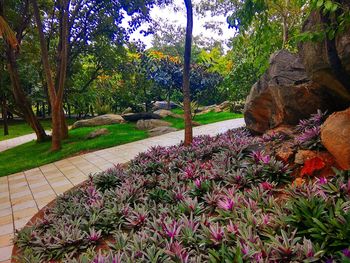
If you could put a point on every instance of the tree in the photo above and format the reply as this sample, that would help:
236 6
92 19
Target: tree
13 39
186 75
82 26
3 95
59 127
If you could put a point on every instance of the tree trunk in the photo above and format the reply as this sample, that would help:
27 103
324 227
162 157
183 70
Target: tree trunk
56 127
92 111
43 109
168 98
64 126
69 110
62 52
285 31
37 110
59 126
186 75
4 117
21 100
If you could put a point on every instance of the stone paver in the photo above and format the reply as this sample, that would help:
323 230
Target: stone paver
10 143
23 194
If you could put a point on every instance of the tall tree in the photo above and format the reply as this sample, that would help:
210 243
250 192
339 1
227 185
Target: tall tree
186 74
55 88
13 41
3 95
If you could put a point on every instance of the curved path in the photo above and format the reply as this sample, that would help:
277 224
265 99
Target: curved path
23 194
10 143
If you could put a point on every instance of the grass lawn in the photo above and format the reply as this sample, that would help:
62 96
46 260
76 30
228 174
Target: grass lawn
19 128
207 118
32 154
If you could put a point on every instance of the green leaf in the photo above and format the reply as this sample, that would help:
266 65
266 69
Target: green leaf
331 34
328 5
320 224
319 3
334 7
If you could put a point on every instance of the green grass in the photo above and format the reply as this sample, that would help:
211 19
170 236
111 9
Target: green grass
207 118
32 154
19 128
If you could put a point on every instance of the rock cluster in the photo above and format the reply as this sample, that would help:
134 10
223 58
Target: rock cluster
296 85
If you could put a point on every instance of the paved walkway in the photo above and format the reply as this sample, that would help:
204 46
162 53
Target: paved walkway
10 143
23 194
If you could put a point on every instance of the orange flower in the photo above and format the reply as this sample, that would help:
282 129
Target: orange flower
298 182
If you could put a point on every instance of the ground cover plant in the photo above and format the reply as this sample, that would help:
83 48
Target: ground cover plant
32 154
223 199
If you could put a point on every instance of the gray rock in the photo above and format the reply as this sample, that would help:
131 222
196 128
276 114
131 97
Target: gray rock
163 105
160 130
97 133
140 116
328 64
150 124
106 119
283 95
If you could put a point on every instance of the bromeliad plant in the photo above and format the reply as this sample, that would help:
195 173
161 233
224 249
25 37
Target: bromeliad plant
310 130
216 201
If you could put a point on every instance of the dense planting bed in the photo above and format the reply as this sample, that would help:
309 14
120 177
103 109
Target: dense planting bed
221 200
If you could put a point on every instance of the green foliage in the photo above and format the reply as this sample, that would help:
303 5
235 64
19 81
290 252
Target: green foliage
336 13
326 223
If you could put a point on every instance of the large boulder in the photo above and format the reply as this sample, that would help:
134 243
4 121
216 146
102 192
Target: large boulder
283 95
164 105
335 136
327 62
150 124
106 119
140 116
160 130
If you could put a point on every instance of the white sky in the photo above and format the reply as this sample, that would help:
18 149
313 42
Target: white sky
179 18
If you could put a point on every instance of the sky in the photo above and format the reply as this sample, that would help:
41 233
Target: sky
179 18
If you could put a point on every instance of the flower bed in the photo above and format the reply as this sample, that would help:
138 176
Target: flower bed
221 200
